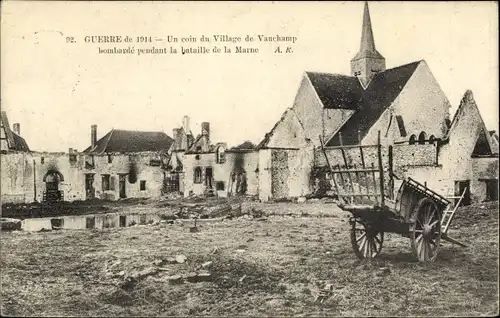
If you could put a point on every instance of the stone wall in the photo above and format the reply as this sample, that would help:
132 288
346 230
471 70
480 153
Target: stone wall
415 155
248 161
137 167
290 172
265 177
483 168
23 174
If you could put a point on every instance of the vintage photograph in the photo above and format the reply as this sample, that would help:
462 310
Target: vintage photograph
249 159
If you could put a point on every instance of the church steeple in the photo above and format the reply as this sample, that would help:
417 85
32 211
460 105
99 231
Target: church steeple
368 61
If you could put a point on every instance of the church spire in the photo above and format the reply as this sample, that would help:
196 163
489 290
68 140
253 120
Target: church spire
368 61
367 41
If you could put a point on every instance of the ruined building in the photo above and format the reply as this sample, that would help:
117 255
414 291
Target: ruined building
404 105
119 165
409 109
125 163
11 139
198 166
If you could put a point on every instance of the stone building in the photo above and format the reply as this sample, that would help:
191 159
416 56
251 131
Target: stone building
125 163
404 104
207 168
120 164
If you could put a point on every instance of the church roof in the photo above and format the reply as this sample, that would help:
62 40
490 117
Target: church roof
126 141
335 90
378 96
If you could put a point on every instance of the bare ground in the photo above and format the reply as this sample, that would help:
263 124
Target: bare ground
276 267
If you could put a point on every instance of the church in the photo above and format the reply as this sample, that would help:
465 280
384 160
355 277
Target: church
406 105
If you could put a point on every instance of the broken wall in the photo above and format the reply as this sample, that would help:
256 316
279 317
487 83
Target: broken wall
23 174
137 167
247 161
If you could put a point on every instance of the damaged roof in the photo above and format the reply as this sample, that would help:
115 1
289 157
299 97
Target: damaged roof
131 141
14 141
246 145
383 89
484 144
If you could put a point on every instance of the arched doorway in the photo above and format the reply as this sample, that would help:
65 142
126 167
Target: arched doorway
52 179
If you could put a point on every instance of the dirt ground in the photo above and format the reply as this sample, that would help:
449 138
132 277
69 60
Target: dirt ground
282 265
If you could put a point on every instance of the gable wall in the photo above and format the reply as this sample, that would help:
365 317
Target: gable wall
422 104
288 133
309 110
454 158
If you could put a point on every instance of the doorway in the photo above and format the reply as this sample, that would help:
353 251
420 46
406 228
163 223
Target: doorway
208 177
491 189
171 182
122 186
460 186
52 179
89 186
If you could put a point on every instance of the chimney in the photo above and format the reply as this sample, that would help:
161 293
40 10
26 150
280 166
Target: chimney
17 128
93 136
205 129
185 124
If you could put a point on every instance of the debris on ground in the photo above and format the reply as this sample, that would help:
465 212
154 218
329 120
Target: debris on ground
323 293
10 224
180 259
207 264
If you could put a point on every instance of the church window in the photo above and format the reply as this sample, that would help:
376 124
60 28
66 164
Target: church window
413 139
421 138
432 139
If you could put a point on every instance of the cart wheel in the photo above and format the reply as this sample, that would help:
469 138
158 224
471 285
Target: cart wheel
366 241
425 231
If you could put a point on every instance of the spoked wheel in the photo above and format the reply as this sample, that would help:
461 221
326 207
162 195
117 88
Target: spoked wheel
425 231
366 241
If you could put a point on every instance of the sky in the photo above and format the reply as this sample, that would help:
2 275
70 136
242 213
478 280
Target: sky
57 90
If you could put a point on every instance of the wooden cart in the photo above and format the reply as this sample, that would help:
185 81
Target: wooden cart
367 192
